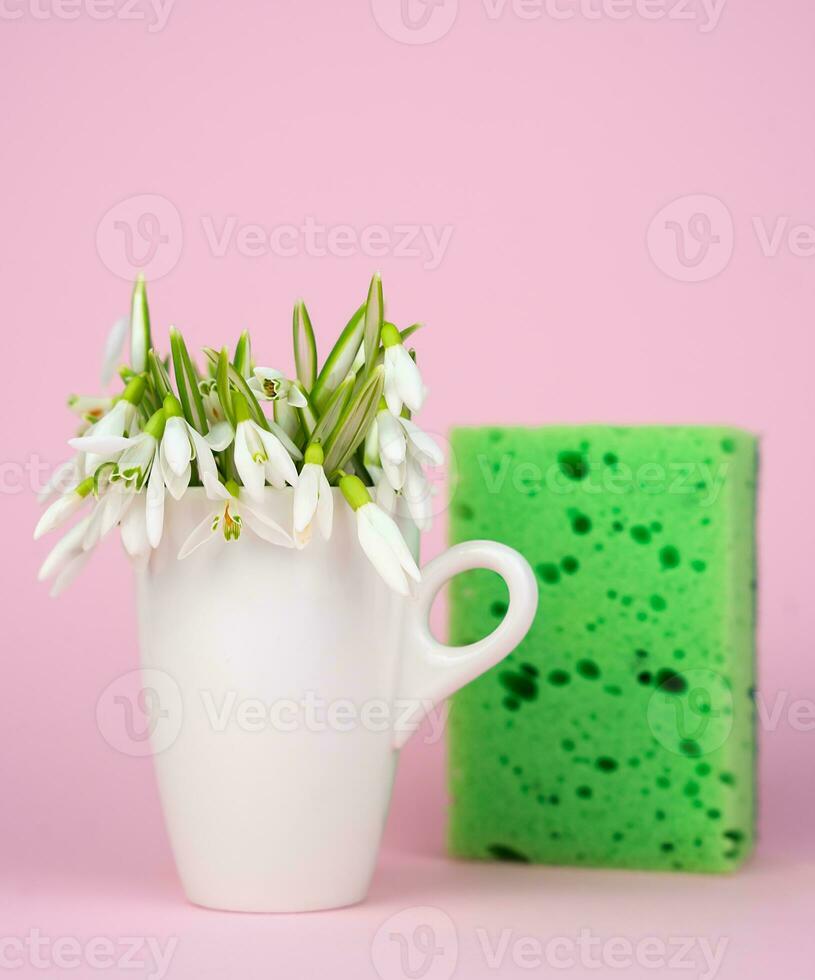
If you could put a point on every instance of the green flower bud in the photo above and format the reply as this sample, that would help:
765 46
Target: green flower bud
390 336
172 406
315 454
155 424
354 491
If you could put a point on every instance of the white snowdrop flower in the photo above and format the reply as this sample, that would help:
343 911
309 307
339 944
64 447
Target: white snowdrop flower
182 444
114 499
380 538
64 508
67 558
66 475
312 498
401 441
137 467
259 455
418 495
134 531
90 409
271 385
212 404
107 437
229 518
403 382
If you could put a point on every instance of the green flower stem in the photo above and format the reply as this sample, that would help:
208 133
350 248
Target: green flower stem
233 488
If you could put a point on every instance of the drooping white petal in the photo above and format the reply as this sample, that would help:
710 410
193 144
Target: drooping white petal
389 531
325 506
251 472
421 444
118 500
135 461
201 534
107 514
217 491
154 506
100 445
65 475
379 552
114 347
385 496
280 466
62 552
263 526
207 468
176 445
69 573
296 398
394 473
62 510
116 424
306 495
219 436
392 397
408 379
177 485
418 493
392 440
134 529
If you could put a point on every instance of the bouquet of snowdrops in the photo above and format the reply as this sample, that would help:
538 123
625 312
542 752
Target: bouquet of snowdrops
173 426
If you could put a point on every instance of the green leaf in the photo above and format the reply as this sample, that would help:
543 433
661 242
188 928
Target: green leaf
243 355
355 422
186 380
305 346
287 418
333 411
308 417
409 331
374 318
222 386
158 374
140 342
339 361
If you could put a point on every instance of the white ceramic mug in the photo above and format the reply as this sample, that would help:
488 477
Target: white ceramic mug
300 674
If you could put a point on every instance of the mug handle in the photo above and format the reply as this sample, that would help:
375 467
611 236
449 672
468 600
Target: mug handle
431 671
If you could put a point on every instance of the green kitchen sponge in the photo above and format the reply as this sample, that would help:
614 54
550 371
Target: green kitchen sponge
620 732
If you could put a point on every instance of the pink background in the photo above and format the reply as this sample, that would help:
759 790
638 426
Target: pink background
546 147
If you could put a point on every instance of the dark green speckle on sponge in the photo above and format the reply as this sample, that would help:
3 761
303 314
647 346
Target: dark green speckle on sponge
620 732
